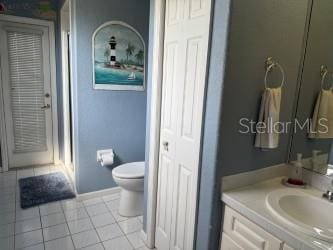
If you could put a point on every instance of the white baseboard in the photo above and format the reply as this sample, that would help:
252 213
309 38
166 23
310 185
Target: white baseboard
99 193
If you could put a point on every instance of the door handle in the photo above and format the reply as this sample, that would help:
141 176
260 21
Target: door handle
47 106
166 145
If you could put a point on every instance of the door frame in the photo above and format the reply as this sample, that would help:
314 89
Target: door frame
54 106
66 76
157 52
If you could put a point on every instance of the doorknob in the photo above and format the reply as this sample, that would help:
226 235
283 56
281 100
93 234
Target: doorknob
47 95
166 145
47 106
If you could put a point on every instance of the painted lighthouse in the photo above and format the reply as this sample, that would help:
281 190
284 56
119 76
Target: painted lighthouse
113 56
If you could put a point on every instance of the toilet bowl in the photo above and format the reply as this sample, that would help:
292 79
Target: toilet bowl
130 177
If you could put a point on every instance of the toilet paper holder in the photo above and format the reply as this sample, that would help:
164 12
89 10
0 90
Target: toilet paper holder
105 154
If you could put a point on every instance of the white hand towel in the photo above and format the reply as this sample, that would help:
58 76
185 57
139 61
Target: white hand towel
267 136
322 120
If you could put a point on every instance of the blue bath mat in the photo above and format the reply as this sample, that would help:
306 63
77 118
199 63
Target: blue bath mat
42 189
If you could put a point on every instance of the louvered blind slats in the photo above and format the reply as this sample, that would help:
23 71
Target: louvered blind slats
27 91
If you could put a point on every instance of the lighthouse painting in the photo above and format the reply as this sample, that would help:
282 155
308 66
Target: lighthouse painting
113 58
118 57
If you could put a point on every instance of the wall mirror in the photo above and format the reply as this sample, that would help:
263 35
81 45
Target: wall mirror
313 131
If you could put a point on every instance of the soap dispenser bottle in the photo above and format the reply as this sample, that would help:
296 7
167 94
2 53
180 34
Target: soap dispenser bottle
314 160
299 167
296 179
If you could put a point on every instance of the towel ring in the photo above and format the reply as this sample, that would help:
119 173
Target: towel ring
270 64
324 71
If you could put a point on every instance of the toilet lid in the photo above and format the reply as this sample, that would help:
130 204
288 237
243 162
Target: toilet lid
132 170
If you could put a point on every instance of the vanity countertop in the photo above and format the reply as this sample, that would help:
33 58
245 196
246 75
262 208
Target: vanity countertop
250 201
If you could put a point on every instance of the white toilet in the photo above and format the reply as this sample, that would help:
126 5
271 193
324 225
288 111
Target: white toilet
130 178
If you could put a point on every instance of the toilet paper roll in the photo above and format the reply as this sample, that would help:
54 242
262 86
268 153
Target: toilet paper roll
107 160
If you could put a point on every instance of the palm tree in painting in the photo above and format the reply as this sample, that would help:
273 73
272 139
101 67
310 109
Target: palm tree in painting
130 50
139 56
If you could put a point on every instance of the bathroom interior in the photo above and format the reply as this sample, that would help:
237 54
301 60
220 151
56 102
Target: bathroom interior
166 124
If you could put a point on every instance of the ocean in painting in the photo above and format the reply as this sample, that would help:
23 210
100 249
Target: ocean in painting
107 75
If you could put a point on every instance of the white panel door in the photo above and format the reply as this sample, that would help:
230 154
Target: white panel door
187 25
26 85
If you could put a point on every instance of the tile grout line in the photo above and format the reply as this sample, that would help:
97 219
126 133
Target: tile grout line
40 218
122 229
70 234
116 222
126 235
95 228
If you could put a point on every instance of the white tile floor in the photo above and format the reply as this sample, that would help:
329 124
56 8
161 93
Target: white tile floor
66 225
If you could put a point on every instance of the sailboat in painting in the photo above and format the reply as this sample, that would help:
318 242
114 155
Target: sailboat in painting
131 76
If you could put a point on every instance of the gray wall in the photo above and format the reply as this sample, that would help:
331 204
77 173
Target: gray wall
259 29
318 52
104 119
209 205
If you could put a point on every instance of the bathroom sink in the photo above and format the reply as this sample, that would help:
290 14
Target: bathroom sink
304 212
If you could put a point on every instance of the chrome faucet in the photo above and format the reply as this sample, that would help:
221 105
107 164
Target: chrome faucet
328 195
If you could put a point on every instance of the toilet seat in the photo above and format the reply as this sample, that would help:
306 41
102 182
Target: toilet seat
132 170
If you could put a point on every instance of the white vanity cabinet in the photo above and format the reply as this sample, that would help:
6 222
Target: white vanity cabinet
241 233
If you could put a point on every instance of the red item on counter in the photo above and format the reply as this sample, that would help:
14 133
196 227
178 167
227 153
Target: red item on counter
295 182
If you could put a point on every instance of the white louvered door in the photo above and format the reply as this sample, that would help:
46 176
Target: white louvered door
26 85
186 39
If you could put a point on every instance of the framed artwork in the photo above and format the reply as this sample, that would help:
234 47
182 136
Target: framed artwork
118 57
